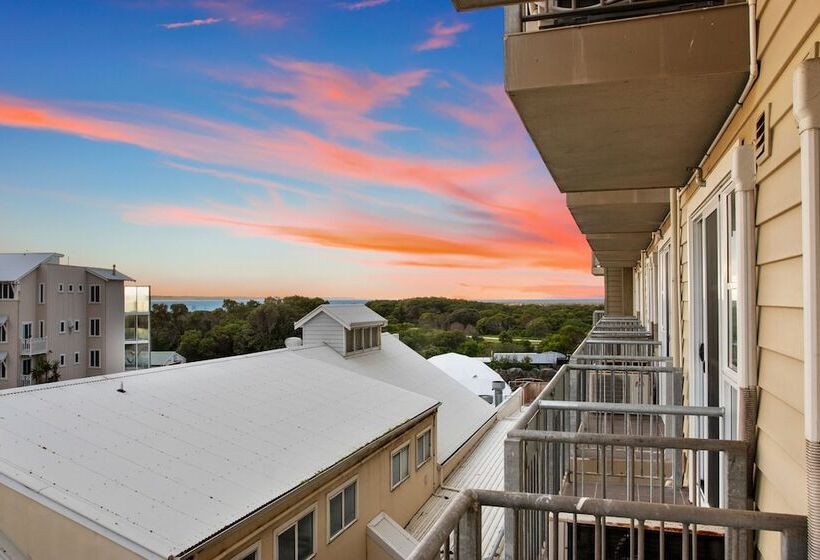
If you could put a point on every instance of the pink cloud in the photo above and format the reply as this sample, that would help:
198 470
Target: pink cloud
191 23
242 13
362 4
339 99
441 36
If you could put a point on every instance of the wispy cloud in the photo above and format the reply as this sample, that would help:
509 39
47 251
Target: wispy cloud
361 4
242 12
337 98
441 36
191 23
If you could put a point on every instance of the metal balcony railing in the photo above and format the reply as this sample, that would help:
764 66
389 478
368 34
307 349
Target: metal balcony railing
33 346
25 380
533 16
598 467
457 532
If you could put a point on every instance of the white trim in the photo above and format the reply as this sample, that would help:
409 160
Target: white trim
339 490
60 288
396 450
99 327
91 293
62 360
256 548
41 293
76 357
61 325
313 508
91 362
430 450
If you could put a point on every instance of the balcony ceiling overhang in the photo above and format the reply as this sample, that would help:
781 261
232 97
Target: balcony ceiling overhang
628 103
462 5
636 211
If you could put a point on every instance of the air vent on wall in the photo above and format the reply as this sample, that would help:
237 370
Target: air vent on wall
762 136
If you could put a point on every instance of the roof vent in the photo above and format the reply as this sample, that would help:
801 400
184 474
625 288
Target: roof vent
122 387
763 137
293 342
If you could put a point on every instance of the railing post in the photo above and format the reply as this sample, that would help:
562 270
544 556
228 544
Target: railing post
737 497
469 533
512 483
794 544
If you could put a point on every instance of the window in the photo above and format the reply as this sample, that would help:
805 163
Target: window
62 359
732 247
94 293
4 337
7 290
424 447
297 540
41 329
27 330
25 366
342 505
41 293
76 357
61 328
250 553
93 358
399 465
3 374
71 288
76 325
80 288
94 327
60 288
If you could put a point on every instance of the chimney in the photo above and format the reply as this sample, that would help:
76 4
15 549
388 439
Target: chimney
498 392
114 269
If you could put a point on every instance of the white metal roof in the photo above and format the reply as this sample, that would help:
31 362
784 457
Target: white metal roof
461 412
190 449
549 358
108 274
346 314
14 266
477 376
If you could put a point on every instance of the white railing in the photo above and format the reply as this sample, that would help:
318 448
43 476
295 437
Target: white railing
33 346
25 380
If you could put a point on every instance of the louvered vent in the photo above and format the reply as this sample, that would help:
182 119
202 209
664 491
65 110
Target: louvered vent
762 137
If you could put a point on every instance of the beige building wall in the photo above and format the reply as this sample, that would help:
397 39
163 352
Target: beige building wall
374 496
788 33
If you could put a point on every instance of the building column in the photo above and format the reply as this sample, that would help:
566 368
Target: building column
806 97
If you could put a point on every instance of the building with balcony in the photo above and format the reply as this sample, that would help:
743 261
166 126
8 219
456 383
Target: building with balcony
686 137
138 327
72 315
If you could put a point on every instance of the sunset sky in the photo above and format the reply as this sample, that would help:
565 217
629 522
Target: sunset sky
329 148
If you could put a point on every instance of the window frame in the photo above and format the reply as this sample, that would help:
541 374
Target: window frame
429 447
71 288
23 326
255 548
396 450
41 328
60 288
8 291
76 325
92 288
339 491
4 333
294 522
61 327
41 293
91 361
80 288
76 357
4 373
62 360
90 327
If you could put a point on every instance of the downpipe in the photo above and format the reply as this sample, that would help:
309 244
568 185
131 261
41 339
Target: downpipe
806 106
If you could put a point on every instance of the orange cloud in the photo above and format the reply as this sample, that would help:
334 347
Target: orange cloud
441 36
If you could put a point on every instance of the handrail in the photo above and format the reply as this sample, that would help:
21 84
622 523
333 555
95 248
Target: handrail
620 408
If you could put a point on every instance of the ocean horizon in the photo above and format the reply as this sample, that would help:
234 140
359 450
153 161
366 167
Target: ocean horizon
211 303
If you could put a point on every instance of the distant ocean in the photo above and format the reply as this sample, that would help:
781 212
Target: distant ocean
209 304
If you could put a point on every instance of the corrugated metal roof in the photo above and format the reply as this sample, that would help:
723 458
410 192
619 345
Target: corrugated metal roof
461 412
14 266
477 376
190 449
346 314
108 274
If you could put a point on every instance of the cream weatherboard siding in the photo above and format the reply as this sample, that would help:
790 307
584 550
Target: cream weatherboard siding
324 328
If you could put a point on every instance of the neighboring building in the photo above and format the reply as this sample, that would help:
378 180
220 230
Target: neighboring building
541 359
166 358
282 454
472 373
138 328
65 313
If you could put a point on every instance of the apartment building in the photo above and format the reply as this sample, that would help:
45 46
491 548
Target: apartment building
284 454
73 315
137 327
685 137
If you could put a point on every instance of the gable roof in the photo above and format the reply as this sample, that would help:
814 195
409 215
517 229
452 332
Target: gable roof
477 376
189 450
461 412
108 274
14 266
348 315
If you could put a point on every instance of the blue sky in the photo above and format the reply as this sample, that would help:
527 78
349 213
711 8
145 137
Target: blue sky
361 149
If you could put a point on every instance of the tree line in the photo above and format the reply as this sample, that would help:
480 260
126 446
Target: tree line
428 325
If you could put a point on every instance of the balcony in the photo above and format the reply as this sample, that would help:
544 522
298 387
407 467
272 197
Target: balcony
599 466
33 346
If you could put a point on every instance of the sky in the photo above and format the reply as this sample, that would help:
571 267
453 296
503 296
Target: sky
361 148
